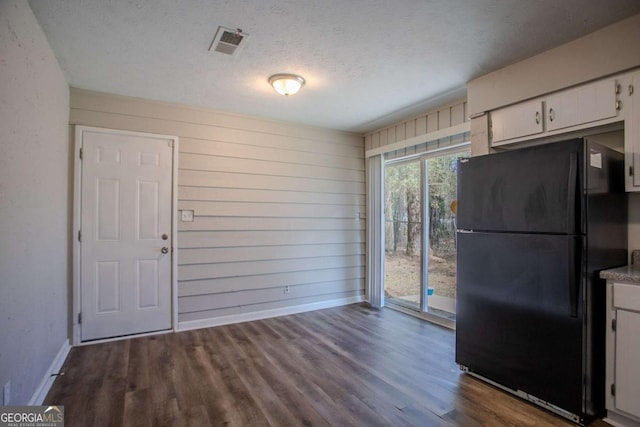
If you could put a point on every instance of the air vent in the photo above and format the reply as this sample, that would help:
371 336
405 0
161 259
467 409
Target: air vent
228 41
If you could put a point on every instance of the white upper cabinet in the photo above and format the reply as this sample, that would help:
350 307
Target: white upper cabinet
611 101
517 121
631 102
584 104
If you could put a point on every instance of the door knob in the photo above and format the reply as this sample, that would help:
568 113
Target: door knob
165 237
164 250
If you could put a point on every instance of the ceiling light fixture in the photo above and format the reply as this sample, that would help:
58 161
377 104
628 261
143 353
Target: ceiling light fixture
286 84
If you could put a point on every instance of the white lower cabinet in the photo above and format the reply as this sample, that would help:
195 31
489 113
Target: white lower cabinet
623 353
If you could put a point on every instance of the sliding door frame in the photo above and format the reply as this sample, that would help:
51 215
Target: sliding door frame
424 242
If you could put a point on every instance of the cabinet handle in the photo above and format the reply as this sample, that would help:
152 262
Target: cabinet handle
630 90
618 105
552 114
537 117
618 89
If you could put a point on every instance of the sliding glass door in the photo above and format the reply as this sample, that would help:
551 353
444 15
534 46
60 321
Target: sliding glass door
420 243
403 233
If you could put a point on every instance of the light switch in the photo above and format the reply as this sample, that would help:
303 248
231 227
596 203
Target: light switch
187 216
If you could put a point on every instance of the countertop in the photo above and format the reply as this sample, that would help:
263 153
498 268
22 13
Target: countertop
629 273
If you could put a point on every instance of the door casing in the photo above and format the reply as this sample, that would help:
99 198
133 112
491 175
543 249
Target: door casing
76 302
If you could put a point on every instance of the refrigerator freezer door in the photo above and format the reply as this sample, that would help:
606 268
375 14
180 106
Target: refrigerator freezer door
519 316
533 190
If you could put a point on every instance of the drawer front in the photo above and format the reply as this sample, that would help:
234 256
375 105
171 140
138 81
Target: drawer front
626 296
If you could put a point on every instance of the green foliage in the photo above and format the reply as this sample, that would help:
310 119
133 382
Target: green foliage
403 203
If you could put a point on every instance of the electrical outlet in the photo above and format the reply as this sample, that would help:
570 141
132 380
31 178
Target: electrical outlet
6 393
286 290
187 216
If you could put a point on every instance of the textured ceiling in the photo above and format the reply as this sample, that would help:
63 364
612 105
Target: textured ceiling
366 62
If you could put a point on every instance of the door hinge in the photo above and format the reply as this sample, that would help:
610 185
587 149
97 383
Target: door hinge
613 324
79 236
613 389
81 153
79 318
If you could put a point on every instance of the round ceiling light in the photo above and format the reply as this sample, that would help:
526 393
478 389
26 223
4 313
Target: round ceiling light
286 84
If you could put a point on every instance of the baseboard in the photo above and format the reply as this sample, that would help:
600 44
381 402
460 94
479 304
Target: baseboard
266 314
618 420
48 378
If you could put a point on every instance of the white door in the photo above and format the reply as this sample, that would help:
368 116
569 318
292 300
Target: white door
126 240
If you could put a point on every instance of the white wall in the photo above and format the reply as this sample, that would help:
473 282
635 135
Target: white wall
604 52
34 197
275 204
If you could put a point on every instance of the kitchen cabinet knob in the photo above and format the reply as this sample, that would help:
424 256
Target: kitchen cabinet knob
552 114
164 250
537 117
630 90
618 105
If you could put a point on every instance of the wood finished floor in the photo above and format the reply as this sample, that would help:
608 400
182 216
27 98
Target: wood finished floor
343 366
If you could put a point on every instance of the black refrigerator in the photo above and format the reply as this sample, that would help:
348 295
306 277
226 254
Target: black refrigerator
535 226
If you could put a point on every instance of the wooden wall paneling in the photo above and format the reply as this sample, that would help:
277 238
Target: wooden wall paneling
444 121
226 315
457 114
275 154
410 128
239 254
261 182
254 267
401 132
258 296
368 142
213 239
432 122
213 223
272 196
266 167
212 133
384 137
291 278
270 210
375 140
275 204
421 125
126 106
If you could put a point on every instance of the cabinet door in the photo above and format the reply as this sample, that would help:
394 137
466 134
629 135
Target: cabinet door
584 104
631 94
516 121
627 362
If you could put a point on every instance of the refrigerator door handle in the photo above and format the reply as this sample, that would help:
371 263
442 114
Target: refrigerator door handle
571 193
573 278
